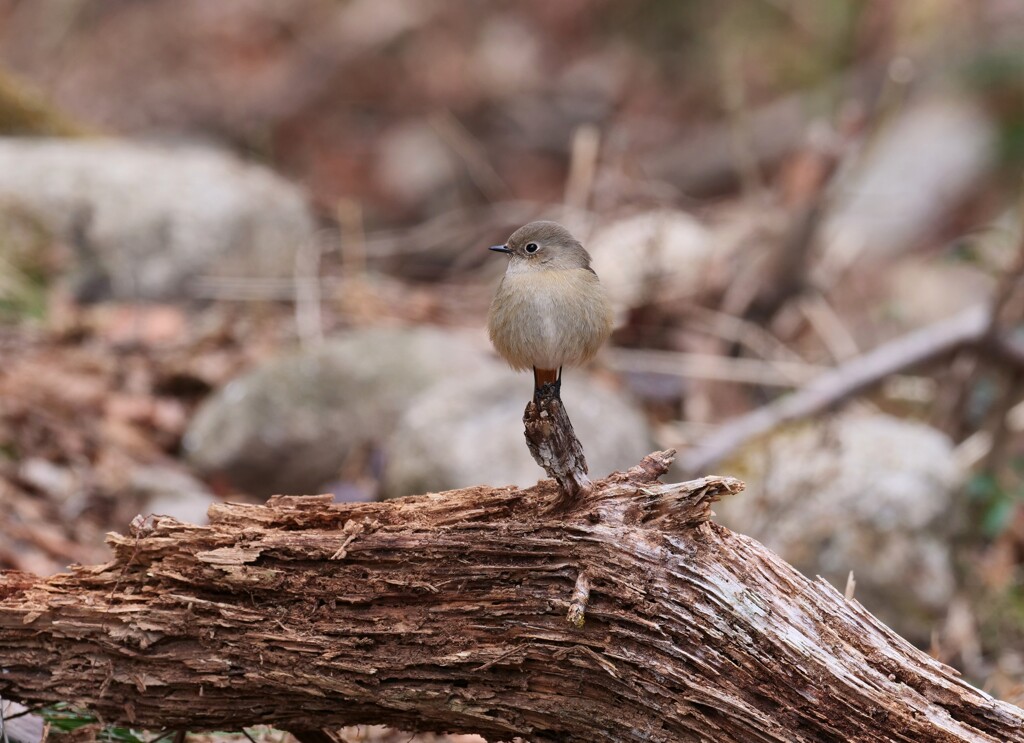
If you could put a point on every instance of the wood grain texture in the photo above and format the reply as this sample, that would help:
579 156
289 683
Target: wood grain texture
451 612
553 444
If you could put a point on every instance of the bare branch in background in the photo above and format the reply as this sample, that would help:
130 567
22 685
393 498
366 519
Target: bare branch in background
847 379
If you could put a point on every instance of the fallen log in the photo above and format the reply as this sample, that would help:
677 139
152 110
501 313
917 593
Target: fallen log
630 617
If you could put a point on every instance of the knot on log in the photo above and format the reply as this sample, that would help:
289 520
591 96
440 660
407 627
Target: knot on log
652 467
578 602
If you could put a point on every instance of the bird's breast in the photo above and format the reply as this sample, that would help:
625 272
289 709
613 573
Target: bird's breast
548 319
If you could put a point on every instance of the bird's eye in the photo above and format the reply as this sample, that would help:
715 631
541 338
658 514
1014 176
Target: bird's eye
532 247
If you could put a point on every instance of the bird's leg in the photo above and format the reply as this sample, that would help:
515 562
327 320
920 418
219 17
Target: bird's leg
546 383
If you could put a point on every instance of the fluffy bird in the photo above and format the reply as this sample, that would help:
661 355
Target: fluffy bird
550 309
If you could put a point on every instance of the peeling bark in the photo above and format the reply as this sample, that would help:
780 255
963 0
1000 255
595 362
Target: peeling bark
461 611
554 446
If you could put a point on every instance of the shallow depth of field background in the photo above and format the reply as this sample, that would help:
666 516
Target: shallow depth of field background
243 252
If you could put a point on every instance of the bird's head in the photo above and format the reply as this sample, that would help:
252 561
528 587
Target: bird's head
544 246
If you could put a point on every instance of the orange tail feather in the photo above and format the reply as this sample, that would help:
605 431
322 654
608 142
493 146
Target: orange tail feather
544 376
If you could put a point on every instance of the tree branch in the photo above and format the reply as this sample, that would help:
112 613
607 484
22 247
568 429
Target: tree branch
853 376
552 442
449 611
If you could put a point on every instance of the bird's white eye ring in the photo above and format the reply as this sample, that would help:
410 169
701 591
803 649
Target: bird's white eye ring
532 247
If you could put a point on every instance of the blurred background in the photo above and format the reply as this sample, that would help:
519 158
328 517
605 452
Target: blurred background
243 252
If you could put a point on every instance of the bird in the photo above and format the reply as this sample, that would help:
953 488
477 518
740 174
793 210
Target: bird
550 309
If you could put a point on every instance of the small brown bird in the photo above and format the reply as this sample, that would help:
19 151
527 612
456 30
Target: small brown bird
550 310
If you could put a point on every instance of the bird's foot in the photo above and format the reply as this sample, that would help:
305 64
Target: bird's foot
548 391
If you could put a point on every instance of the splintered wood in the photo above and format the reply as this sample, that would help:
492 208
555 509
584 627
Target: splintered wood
554 446
448 612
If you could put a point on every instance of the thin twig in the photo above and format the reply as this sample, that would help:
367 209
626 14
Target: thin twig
507 654
586 145
473 154
999 426
827 324
308 315
352 237
713 366
1005 310
23 713
914 348
735 329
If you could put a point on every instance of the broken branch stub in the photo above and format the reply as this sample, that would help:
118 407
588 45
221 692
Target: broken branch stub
554 446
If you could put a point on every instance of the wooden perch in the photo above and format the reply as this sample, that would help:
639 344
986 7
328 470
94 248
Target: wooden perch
554 446
448 612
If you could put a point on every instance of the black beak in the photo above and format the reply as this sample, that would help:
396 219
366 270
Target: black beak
500 248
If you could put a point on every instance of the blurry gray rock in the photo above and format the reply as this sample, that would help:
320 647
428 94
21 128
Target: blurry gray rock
57 481
470 432
287 426
650 256
507 57
914 172
146 220
414 164
20 725
923 291
868 493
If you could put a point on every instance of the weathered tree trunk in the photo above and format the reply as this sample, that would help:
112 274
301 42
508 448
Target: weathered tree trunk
449 612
